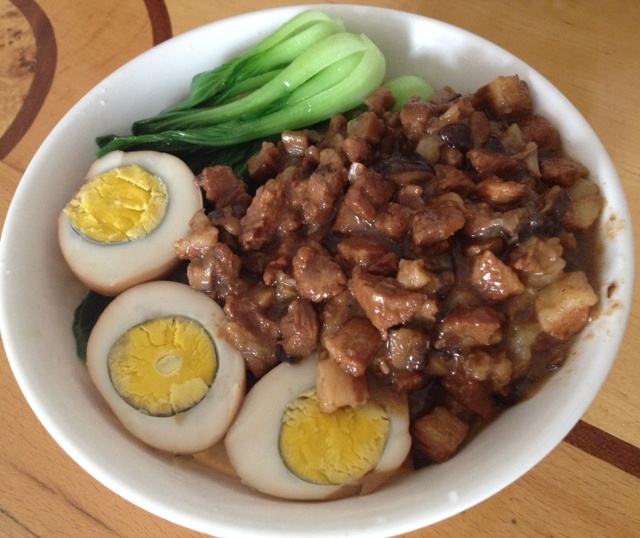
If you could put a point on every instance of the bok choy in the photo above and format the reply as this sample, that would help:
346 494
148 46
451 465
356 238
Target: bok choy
307 71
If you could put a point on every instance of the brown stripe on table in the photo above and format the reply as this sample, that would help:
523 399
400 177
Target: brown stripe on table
159 19
45 66
44 63
605 447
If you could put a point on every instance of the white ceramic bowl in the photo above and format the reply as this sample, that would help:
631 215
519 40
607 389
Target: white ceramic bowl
39 294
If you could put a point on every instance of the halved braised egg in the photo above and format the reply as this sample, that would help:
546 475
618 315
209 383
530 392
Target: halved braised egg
118 229
156 358
282 444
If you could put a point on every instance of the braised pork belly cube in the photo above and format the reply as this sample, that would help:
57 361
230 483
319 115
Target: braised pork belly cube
336 388
367 126
563 307
318 195
538 260
467 327
380 100
439 219
498 192
493 279
407 348
337 310
561 171
217 272
368 194
369 253
260 223
357 150
201 237
265 164
474 396
354 345
415 117
384 300
394 221
542 132
299 328
586 205
222 186
439 434
487 163
318 277
252 333
506 98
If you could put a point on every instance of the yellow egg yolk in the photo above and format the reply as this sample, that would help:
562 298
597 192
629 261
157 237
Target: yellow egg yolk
163 366
332 448
123 204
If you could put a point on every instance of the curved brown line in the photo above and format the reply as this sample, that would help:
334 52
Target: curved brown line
46 59
605 447
160 20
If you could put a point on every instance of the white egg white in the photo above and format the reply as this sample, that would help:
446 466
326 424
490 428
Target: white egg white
110 269
252 442
204 424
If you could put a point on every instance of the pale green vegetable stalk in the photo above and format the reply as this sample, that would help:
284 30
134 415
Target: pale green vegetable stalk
311 62
405 87
333 76
274 52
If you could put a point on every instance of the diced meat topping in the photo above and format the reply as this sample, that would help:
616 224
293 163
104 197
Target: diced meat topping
561 171
317 275
202 237
493 279
439 434
354 345
260 222
222 186
299 327
563 307
441 217
443 251
253 333
468 327
336 388
506 98
385 302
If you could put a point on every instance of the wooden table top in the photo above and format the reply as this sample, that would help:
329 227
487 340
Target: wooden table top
53 51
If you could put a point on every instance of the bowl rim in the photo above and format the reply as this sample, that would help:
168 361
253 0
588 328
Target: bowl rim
369 522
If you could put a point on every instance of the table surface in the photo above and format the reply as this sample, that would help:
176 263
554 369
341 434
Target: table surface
53 51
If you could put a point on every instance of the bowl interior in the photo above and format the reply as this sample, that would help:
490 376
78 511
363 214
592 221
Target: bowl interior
39 295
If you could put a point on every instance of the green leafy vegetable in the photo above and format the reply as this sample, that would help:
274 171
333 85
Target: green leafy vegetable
307 71
85 317
405 87
271 54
